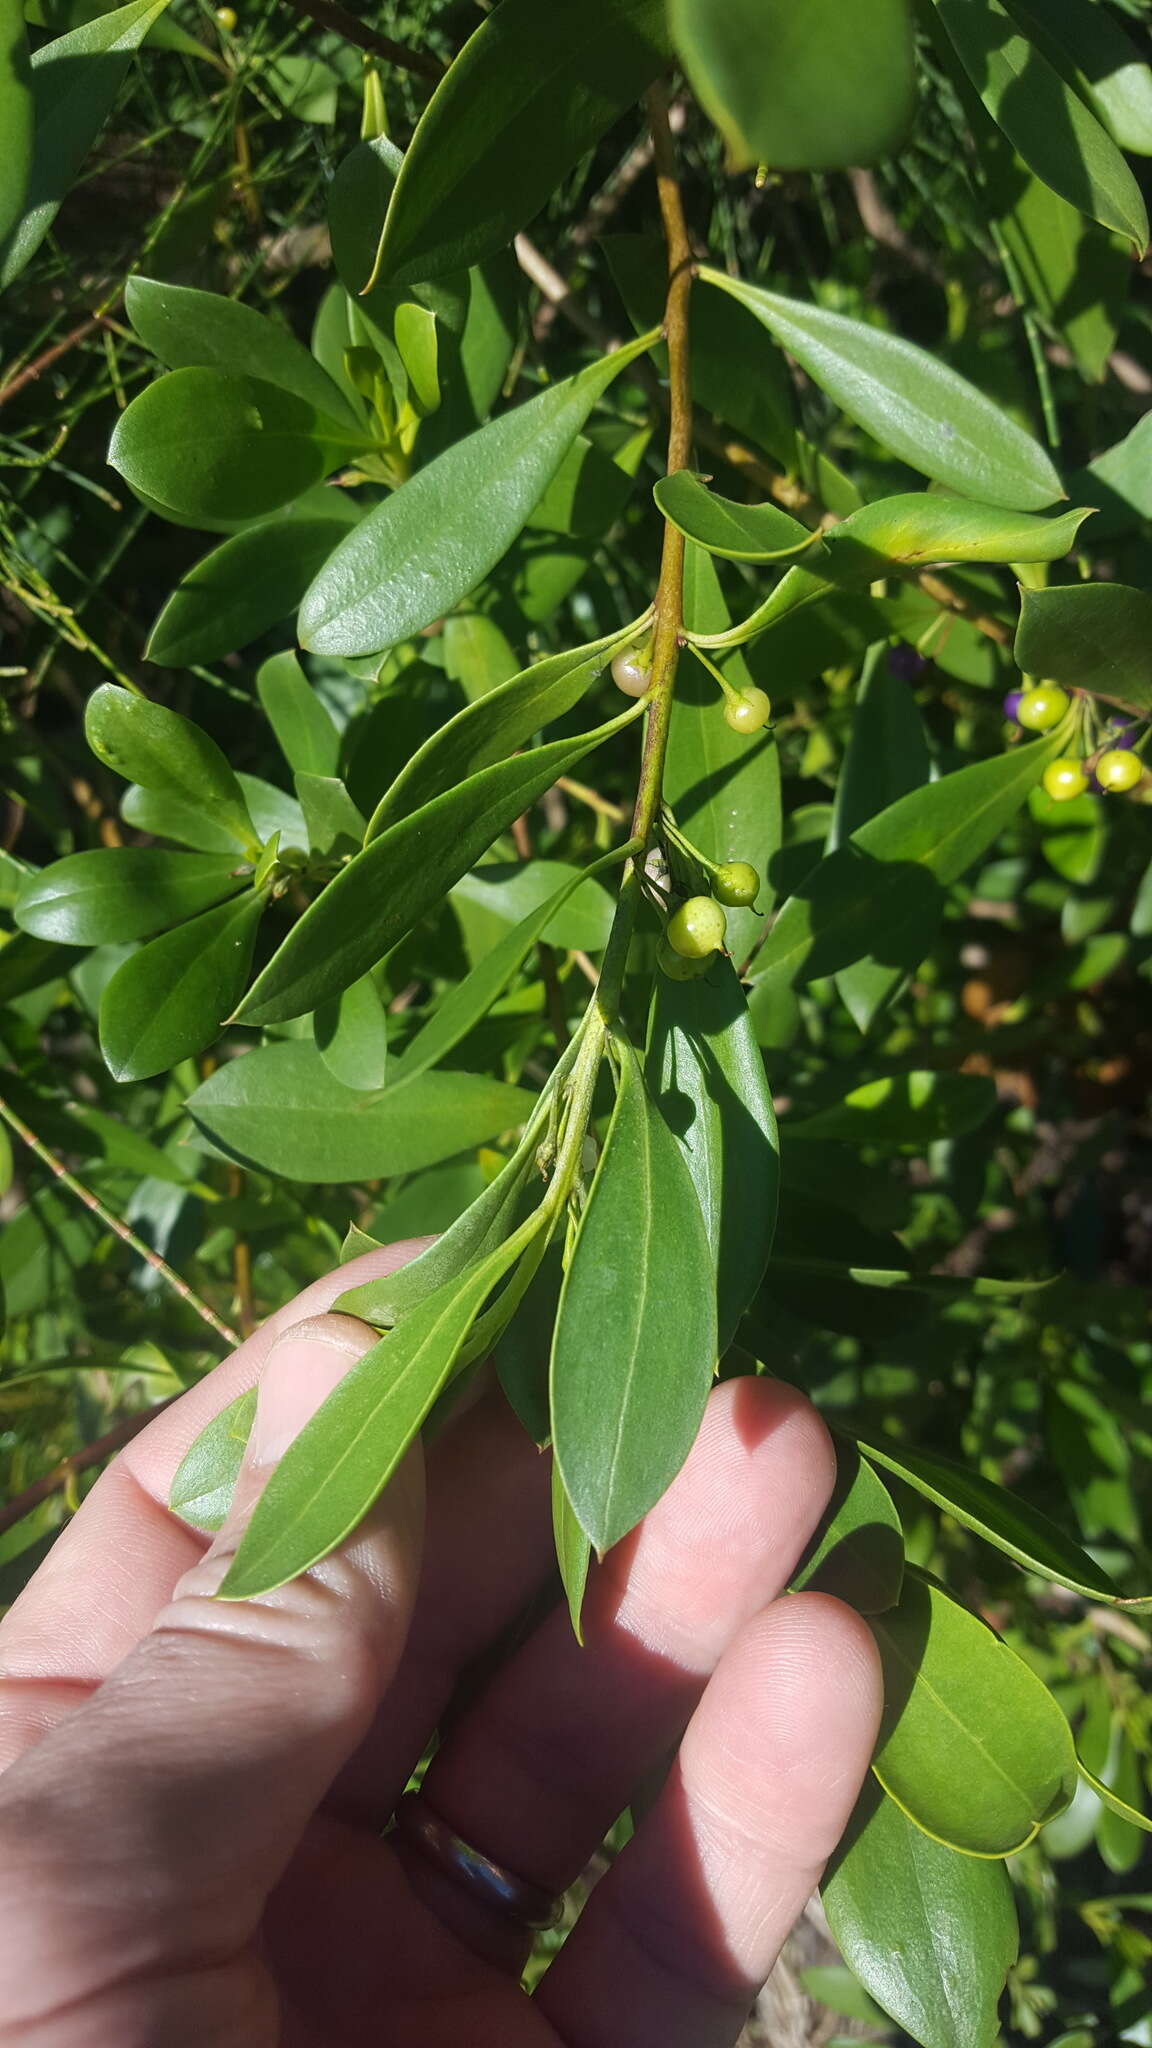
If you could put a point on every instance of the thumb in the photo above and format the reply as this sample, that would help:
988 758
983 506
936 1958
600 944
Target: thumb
161 1813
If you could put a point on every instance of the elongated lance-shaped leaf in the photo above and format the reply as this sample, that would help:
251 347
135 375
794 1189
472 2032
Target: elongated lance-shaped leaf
1112 1800
1090 636
188 328
913 403
428 545
75 80
201 1492
344 1457
382 893
887 755
857 1553
168 755
926 526
930 1934
494 727
527 96
741 533
706 1074
635 1343
114 893
250 582
573 1551
170 999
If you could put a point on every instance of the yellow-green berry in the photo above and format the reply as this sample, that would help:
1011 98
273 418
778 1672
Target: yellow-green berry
1064 780
697 929
631 672
226 17
748 711
736 883
1042 708
1118 769
676 967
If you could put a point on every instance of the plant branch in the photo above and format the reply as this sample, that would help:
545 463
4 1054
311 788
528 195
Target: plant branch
338 19
114 1223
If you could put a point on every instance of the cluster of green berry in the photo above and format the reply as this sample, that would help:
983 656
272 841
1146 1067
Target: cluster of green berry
1117 766
695 932
747 711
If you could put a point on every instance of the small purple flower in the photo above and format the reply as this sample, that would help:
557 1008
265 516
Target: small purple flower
905 663
1012 704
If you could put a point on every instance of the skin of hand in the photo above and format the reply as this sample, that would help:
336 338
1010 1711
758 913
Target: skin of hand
193 1792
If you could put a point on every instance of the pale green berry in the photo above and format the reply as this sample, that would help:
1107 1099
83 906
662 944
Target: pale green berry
676 967
736 883
1042 708
1065 779
631 673
697 929
749 711
1118 769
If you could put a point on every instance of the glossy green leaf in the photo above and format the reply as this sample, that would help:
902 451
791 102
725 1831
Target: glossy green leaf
528 95
887 754
511 890
589 490
1087 43
351 1035
249 582
281 1109
335 826
201 1492
1112 1799
913 1108
1045 120
800 93
492 728
521 1355
215 445
723 787
879 896
706 1076
924 526
1073 833
857 1553
477 655
306 736
414 556
1090 636
464 1005
742 533
171 998
344 1457
631 1366
123 892
191 329
401 875
972 1746
1002 1518
1069 271
75 80
1122 476
929 1933
167 755
914 404
17 117
573 1550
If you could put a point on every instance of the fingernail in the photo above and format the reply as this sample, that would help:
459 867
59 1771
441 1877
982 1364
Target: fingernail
303 1367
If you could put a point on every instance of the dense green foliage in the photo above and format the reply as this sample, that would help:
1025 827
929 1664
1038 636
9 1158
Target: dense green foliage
377 708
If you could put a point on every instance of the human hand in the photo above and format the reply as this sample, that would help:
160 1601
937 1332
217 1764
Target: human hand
193 1792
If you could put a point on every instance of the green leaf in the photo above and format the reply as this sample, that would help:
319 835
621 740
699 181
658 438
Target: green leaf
352 1036
922 526
972 1746
494 727
402 874
887 754
1004 1519
528 95
190 329
75 80
1090 636
304 730
168 756
1087 43
913 403
1073 833
205 1479
476 654
1122 476
857 1553
521 1355
1045 120
344 1457
913 1108
471 999
211 445
635 1343
171 999
930 1934
879 896
335 826
511 890
706 1075
741 533
1112 1800
414 556
798 94
573 1550
1069 271
122 892
249 582
723 787
17 117
281 1109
